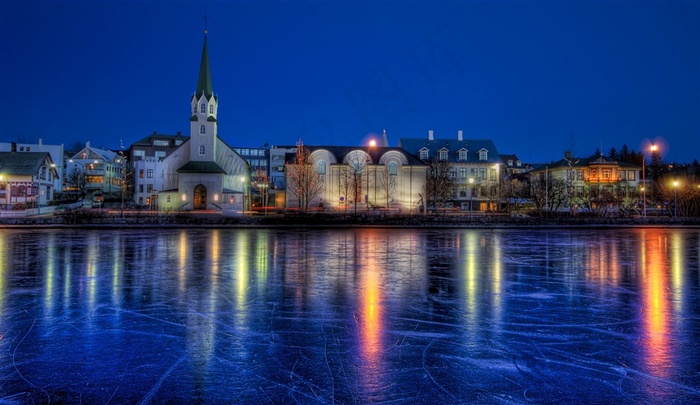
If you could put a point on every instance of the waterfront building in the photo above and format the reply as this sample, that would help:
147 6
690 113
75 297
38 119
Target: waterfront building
204 172
146 168
55 151
474 167
94 169
26 179
363 178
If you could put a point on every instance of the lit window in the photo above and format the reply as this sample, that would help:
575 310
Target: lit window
201 150
203 108
202 129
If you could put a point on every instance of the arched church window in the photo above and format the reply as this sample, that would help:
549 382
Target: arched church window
211 109
202 129
201 150
392 168
321 167
203 108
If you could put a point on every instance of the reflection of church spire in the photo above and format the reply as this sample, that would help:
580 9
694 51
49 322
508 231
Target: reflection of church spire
204 83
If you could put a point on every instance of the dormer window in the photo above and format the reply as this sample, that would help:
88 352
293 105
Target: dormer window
510 162
203 108
483 154
443 154
518 163
424 154
202 129
463 154
211 109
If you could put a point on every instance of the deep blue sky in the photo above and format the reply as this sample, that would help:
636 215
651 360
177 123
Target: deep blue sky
536 77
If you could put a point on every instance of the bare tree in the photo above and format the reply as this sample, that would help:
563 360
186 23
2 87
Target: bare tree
355 175
76 180
439 186
304 181
387 184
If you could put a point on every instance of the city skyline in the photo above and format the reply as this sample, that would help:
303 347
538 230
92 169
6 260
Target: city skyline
536 78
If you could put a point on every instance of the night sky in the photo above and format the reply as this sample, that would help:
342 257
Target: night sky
535 77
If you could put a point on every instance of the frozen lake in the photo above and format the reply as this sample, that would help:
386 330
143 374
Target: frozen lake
350 316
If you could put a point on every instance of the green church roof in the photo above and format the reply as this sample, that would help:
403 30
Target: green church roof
204 83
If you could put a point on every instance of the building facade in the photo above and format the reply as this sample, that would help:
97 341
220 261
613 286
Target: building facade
94 169
474 167
55 151
146 169
26 179
359 179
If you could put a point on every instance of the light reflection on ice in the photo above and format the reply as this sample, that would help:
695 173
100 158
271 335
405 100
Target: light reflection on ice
355 315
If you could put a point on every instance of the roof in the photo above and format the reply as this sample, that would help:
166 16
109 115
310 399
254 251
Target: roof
472 146
375 153
585 162
22 163
201 167
148 141
204 82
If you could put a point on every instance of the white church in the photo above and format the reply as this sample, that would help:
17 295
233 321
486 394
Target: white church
204 173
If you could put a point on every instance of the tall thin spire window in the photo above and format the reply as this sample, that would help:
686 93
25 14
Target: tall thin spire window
201 150
211 109
202 129
203 108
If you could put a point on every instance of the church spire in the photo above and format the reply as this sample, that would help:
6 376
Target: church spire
204 83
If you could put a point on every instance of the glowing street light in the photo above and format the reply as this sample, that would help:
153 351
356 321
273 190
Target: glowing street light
675 198
372 144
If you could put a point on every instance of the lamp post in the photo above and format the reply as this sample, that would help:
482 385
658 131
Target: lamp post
372 144
243 189
675 198
471 196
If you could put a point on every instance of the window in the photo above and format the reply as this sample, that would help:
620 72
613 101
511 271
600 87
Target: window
607 173
140 173
462 154
203 108
423 154
443 155
202 129
630 175
463 191
518 163
462 172
211 109
474 172
492 174
140 188
167 199
579 174
149 173
321 167
483 154
201 150
482 173
621 175
178 142
160 154
149 188
139 153
392 168
160 142
453 174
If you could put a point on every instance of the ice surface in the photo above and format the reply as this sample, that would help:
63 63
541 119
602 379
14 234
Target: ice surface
350 316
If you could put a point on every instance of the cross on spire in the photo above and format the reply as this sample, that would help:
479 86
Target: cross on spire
206 17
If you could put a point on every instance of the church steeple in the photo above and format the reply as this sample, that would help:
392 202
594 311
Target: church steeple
204 83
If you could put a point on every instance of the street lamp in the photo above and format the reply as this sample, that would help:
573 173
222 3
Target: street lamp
675 198
471 196
372 144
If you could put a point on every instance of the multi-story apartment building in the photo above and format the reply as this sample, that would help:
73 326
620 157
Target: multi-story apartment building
279 155
101 170
146 171
474 167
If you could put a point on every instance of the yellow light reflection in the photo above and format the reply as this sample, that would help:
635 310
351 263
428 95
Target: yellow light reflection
117 255
655 303
471 259
92 260
183 254
49 286
677 266
371 306
242 277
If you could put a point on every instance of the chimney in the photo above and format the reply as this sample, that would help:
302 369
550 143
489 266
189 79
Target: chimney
39 141
430 134
459 135
87 144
